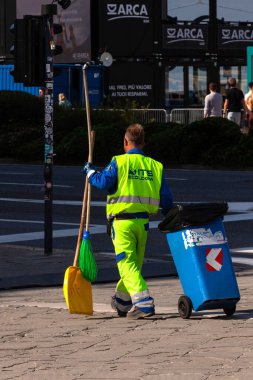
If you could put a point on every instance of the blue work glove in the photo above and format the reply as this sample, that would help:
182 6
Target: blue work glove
89 169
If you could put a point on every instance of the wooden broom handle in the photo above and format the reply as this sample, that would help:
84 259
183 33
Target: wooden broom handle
83 213
86 90
87 189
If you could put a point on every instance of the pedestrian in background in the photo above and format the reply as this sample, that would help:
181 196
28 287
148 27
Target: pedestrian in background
234 103
249 105
213 102
41 92
64 102
136 188
248 116
250 86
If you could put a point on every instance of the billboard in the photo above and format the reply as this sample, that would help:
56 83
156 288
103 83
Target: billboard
126 28
176 36
233 37
137 83
75 38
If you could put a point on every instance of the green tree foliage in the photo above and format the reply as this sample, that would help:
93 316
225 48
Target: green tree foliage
213 142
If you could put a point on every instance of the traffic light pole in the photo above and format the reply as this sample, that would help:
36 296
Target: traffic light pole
48 130
48 158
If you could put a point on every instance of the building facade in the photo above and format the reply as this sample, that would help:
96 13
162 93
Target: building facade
167 52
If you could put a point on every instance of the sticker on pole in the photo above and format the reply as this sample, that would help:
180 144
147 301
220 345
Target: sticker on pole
214 259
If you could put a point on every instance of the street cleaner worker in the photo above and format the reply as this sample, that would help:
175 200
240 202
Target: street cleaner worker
136 188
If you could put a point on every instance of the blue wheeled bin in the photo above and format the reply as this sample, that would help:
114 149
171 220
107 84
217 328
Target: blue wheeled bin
198 244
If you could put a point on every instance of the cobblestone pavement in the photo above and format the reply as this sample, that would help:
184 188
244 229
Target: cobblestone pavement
40 340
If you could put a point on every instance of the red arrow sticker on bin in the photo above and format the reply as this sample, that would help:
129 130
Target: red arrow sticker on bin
214 259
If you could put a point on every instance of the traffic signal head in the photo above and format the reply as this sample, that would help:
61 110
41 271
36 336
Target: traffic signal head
18 50
33 44
35 63
31 36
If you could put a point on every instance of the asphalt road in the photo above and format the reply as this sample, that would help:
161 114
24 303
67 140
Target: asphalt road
22 206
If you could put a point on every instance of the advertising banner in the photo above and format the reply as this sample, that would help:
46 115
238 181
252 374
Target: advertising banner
126 28
75 22
234 37
137 83
190 37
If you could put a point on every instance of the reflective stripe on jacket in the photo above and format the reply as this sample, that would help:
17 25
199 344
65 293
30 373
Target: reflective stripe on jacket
139 183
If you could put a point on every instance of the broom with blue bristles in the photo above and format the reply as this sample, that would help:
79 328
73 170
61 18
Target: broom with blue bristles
87 261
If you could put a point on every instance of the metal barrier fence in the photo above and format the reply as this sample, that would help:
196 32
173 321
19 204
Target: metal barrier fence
176 115
143 116
186 115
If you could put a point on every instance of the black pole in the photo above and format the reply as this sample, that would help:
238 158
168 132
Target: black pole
213 26
213 42
48 11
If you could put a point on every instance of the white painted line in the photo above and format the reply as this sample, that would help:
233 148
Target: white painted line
240 206
94 229
238 217
233 206
242 260
13 173
36 222
63 202
176 179
32 184
242 250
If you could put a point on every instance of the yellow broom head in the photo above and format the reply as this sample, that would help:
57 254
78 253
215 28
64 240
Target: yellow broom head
77 292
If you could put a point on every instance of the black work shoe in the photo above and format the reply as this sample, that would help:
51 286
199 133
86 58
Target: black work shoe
121 314
137 313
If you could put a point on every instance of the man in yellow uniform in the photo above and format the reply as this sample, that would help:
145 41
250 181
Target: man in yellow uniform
136 188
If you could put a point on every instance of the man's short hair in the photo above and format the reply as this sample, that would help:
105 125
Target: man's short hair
213 86
232 82
135 134
250 84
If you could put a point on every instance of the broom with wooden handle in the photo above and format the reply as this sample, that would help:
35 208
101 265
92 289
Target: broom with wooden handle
77 289
87 261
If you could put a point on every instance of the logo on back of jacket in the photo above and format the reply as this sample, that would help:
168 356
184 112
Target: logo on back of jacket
140 174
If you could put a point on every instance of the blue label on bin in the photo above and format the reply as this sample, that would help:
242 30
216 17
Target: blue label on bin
202 236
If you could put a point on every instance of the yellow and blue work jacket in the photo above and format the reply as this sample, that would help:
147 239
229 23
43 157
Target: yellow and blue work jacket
135 183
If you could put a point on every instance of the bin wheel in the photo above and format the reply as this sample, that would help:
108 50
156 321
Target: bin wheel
184 307
229 311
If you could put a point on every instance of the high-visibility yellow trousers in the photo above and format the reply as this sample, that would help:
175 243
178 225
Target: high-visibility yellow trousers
129 238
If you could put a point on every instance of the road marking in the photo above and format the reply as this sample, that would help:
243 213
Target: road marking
242 250
176 179
55 202
238 217
243 207
29 236
36 222
242 260
32 184
233 206
95 229
13 173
